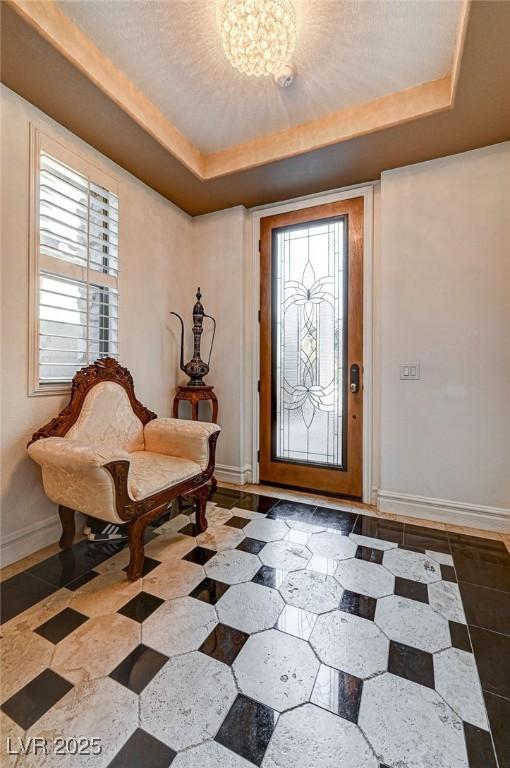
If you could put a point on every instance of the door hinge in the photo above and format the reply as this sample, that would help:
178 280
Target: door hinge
259 245
258 386
258 457
259 315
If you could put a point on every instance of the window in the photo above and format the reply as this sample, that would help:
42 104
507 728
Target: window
75 244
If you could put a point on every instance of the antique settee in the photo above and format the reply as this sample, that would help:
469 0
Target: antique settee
108 456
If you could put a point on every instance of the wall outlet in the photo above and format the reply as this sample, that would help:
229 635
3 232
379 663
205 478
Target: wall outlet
410 371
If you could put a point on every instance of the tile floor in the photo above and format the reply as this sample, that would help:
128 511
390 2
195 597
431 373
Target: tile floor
288 635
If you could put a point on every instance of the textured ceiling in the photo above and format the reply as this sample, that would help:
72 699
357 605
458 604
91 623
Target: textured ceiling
347 53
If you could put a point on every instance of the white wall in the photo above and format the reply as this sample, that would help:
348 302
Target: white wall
445 302
155 275
220 248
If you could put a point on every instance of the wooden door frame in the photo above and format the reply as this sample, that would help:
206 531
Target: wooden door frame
252 319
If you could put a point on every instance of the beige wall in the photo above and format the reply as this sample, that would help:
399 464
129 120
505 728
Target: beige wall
155 275
445 302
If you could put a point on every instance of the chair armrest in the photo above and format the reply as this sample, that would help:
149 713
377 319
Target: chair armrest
180 437
72 455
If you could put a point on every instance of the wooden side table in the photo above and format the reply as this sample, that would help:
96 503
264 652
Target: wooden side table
194 395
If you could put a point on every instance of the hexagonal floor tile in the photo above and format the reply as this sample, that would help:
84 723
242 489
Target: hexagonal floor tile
457 681
264 529
312 591
412 623
186 702
170 546
390 704
102 707
349 643
332 545
285 555
173 578
250 607
210 755
368 541
112 637
232 566
276 669
179 626
220 537
412 565
24 656
310 736
444 597
365 578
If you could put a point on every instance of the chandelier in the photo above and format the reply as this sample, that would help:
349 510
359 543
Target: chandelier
258 35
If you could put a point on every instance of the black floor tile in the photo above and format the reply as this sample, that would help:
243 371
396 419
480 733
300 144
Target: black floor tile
247 729
426 538
447 572
292 510
199 555
61 625
498 710
224 643
335 519
36 698
142 750
460 636
209 591
190 529
360 605
148 565
484 562
487 608
411 663
411 548
377 528
338 692
21 592
492 652
472 569
251 545
369 554
66 566
269 577
139 668
414 590
255 503
479 747
140 606
81 580
225 498
237 522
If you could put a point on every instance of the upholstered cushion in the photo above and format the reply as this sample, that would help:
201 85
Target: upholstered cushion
153 472
73 475
180 437
107 419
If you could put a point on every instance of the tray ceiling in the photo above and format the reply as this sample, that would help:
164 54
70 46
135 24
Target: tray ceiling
347 53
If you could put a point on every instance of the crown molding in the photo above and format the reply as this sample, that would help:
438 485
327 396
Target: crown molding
339 126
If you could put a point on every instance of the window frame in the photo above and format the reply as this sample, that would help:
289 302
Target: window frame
41 142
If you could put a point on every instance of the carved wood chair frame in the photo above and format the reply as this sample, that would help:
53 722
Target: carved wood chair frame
137 514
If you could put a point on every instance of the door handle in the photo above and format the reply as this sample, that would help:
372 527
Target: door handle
354 378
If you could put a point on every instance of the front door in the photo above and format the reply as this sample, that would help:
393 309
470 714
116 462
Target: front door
311 343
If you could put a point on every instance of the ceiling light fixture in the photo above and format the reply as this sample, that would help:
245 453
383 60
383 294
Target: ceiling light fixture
258 36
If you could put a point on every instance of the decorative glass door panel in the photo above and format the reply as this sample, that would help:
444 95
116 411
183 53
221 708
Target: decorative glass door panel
311 339
309 292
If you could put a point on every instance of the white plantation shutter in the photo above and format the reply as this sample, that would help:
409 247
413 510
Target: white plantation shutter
78 261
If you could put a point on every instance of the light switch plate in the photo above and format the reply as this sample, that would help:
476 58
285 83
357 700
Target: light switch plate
410 371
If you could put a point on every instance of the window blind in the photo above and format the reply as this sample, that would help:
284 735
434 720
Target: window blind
78 271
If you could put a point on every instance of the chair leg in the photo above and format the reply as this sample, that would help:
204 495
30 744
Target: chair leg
201 506
68 527
136 530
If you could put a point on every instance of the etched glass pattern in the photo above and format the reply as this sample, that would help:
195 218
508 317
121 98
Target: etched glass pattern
310 275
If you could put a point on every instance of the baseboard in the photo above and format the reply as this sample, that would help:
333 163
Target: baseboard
445 511
234 475
30 539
